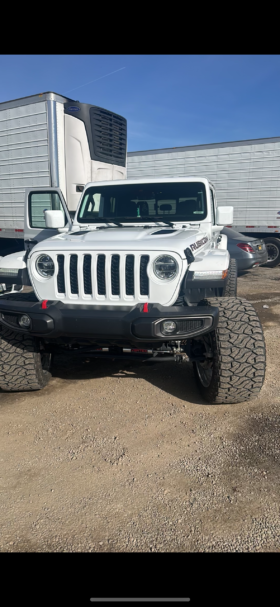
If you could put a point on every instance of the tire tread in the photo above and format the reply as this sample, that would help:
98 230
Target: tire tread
239 352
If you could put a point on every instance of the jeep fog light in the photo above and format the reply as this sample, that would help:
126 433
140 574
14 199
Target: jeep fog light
24 321
211 274
169 326
45 266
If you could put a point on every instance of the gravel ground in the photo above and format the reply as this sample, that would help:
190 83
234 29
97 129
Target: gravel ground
123 457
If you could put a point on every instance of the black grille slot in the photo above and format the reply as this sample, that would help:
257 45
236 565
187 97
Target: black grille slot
144 280
109 136
115 274
60 274
87 275
129 275
74 274
11 319
101 286
184 326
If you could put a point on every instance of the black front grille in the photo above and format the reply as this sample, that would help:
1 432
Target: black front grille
101 286
87 275
60 275
11 319
115 274
109 133
91 274
129 275
74 274
144 280
184 326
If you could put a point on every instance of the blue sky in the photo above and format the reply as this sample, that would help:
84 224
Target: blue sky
168 100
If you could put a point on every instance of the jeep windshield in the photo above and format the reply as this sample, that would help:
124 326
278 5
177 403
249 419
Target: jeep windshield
144 203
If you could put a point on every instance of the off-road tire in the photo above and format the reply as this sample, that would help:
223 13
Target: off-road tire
273 246
237 370
23 366
231 287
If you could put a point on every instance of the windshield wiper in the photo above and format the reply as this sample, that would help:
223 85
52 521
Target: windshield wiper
152 220
117 224
169 223
120 225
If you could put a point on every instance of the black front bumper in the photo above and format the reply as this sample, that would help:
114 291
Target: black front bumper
115 323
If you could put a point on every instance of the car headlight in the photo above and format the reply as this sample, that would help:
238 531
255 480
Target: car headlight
165 267
45 266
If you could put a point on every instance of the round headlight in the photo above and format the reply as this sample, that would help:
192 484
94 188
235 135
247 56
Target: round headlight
45 266
165 267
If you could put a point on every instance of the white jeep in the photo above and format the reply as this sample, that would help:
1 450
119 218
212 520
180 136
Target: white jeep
141 272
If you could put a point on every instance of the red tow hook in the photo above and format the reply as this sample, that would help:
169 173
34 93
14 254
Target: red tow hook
145 307
44 304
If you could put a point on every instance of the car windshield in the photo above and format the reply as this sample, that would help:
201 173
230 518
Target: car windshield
128 203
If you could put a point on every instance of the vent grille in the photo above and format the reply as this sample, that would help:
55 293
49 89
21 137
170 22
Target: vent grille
103 275
129 275
163 232
60 275
144 280
74 274
109 133
185 326
115 274
87 275
11 319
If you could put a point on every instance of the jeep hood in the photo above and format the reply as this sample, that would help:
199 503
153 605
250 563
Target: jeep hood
154 238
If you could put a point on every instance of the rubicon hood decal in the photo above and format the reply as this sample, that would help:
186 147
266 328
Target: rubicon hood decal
198 243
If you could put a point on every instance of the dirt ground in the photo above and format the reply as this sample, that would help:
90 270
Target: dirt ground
126 457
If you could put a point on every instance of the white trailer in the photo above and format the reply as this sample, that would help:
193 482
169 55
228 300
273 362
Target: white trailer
246 175
52 140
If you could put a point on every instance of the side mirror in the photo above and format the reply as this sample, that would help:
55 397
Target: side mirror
54 219
224 216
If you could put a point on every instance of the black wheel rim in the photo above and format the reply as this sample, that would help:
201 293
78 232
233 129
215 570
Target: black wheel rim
273 252
205 372
205 368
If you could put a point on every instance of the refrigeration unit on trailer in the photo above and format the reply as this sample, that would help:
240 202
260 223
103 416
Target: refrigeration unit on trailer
49 140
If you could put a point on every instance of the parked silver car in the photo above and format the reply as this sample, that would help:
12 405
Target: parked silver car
249 252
